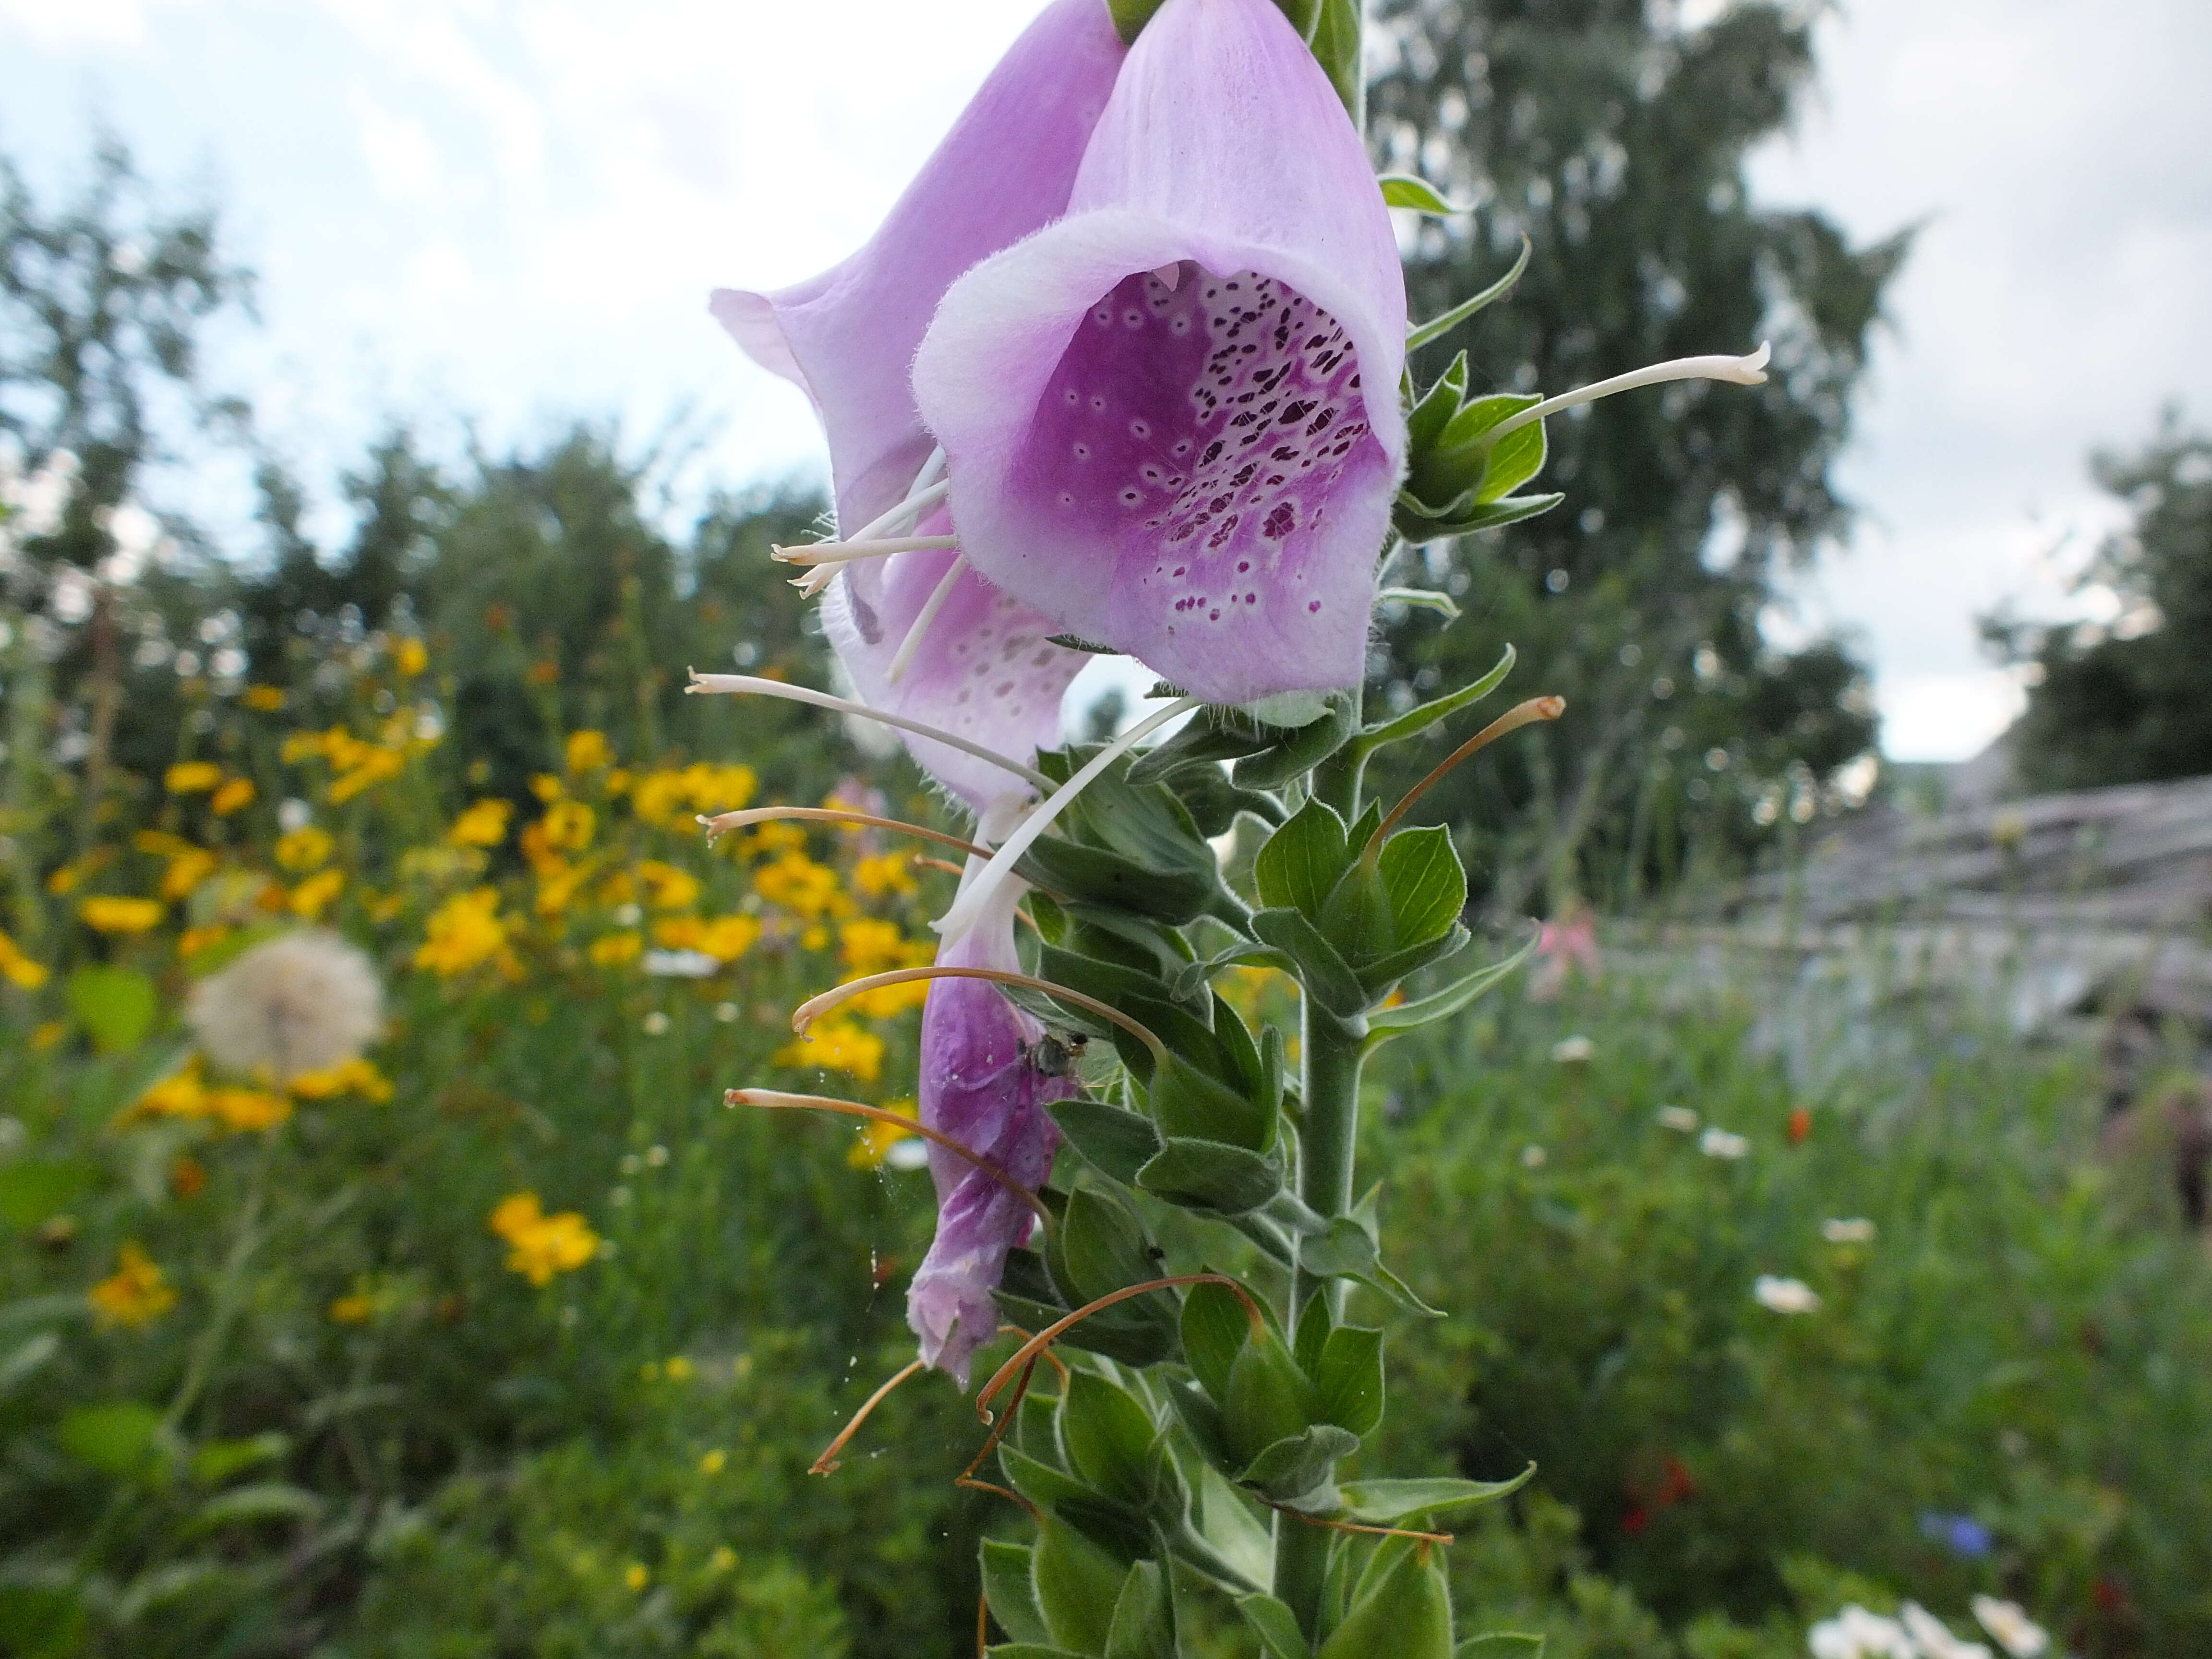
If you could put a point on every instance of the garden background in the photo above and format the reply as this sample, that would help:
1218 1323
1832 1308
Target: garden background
511 1337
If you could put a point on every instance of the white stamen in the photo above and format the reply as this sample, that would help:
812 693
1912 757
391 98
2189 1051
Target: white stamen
903 658
976 894
1743 371
752 683
845 552
926 494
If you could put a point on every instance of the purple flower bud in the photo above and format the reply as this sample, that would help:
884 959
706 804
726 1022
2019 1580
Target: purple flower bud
1157 411
982 1086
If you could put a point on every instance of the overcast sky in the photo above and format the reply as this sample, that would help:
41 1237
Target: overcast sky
514 210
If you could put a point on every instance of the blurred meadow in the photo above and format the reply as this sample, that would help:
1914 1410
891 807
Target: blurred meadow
495 1332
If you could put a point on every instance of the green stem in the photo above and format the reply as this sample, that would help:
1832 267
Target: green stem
245 1240
1330 1059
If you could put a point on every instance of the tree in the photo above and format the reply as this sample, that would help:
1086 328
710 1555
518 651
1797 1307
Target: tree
1615 142
2128 700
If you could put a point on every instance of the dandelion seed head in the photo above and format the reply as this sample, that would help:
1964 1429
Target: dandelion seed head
305 1001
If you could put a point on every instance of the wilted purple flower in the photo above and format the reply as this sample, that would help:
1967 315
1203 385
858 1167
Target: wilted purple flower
981 1084
1157 411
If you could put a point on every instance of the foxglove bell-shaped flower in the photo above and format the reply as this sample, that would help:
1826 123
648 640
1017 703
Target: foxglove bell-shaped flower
924 637
981 1085
847 336
1171 417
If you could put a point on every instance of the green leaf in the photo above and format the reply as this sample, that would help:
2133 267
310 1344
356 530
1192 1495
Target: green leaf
1421 873
1405 189
247 1506
1012 1597
1336 47
1103 1245
1108 1437
1144 1616
121 1439
218 1459
1298 865
1197 976
1298 1470
1114 1141
1269 1397
1276 1626
53 1309
1092 875
1038 1481
1414 721
116 1006
1386 1023
1189 1105
1210 1174
1029 1651
26 1358
1304 15
1345 1249
1391 1502
41 1621
1514 459
1299 749
1214 1326
1465 430
1077 1584
32 1190
1420 599
1401 1611
1321 970
1418 528
1436 327
1348 1382
1130 17
1501 1644
1425 420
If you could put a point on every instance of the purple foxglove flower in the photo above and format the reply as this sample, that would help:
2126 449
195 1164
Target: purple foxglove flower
1156 411
979 662
847 336
980 1085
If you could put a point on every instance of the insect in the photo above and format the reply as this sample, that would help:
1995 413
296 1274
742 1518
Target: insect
1058 1055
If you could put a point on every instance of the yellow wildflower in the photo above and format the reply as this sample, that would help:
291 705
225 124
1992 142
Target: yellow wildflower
679 1369
266 698
797 883
192 777
776 836
355 1076
672 888
371 767
193 940
636 1575
541 1245
136 1293
619 887
186 871
355 1310
714 1461
235 793
484 824
410 657
616 949
546 788
245 1109
837 1046
313 897
557 881
868 946
587 752
18 968
464 931
181 1094
884 873
569 825
876 1138
302 849
71 876
106 913
44 1036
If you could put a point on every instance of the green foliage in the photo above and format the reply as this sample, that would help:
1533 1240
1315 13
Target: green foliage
1613 142
2126 700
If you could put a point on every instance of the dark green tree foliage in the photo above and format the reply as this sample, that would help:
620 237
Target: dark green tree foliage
542 582
103 304
2129 700
1615 142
